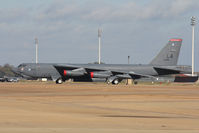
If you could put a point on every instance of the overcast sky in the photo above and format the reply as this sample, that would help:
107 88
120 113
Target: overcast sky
67 30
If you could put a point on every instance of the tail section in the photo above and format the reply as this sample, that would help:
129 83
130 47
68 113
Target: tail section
168 56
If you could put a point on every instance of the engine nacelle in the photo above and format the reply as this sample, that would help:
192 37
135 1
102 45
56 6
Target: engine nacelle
69 73
100 74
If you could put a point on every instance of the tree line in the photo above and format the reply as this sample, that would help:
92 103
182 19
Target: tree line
6 70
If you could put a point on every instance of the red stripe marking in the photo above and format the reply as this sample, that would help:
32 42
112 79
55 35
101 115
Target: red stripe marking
65 72
91 74
175 40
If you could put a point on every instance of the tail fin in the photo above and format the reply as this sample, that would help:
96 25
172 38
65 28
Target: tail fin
168 56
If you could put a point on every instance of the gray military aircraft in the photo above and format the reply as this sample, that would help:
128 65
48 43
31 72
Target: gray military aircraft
33 71
165 63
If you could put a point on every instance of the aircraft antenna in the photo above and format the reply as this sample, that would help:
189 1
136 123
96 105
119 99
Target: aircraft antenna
36 44
193 22
99 39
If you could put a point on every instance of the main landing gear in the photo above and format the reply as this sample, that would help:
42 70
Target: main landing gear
59 81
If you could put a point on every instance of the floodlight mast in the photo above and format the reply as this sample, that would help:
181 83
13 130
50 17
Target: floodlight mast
99 39
36 43
193 22
128 59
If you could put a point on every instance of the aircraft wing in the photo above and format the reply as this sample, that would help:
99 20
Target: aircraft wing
97 72
167 71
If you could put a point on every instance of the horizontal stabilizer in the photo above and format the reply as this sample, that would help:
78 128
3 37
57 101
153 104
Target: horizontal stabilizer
166 71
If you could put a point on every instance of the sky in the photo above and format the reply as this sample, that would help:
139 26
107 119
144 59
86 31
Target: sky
67 30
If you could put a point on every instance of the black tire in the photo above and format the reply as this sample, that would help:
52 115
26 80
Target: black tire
135 82
59 81
115 82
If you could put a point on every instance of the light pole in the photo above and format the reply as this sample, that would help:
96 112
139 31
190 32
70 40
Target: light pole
99 39
128 59
193 22
36 43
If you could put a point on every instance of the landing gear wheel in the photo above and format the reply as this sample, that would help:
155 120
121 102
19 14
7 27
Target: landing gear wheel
115 82
59 81
135 82
108 82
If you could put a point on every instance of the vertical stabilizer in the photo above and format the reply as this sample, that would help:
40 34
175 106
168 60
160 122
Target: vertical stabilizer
168 56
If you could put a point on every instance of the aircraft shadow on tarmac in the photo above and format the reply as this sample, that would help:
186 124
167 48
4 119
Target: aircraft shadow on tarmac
142 116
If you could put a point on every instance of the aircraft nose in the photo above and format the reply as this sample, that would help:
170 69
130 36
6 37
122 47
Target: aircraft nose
15 70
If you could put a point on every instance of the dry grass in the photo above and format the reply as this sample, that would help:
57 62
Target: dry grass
33 107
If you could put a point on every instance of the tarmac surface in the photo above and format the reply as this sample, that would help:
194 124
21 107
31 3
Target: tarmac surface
31 107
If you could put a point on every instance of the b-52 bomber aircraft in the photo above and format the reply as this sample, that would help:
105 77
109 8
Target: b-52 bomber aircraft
165 63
